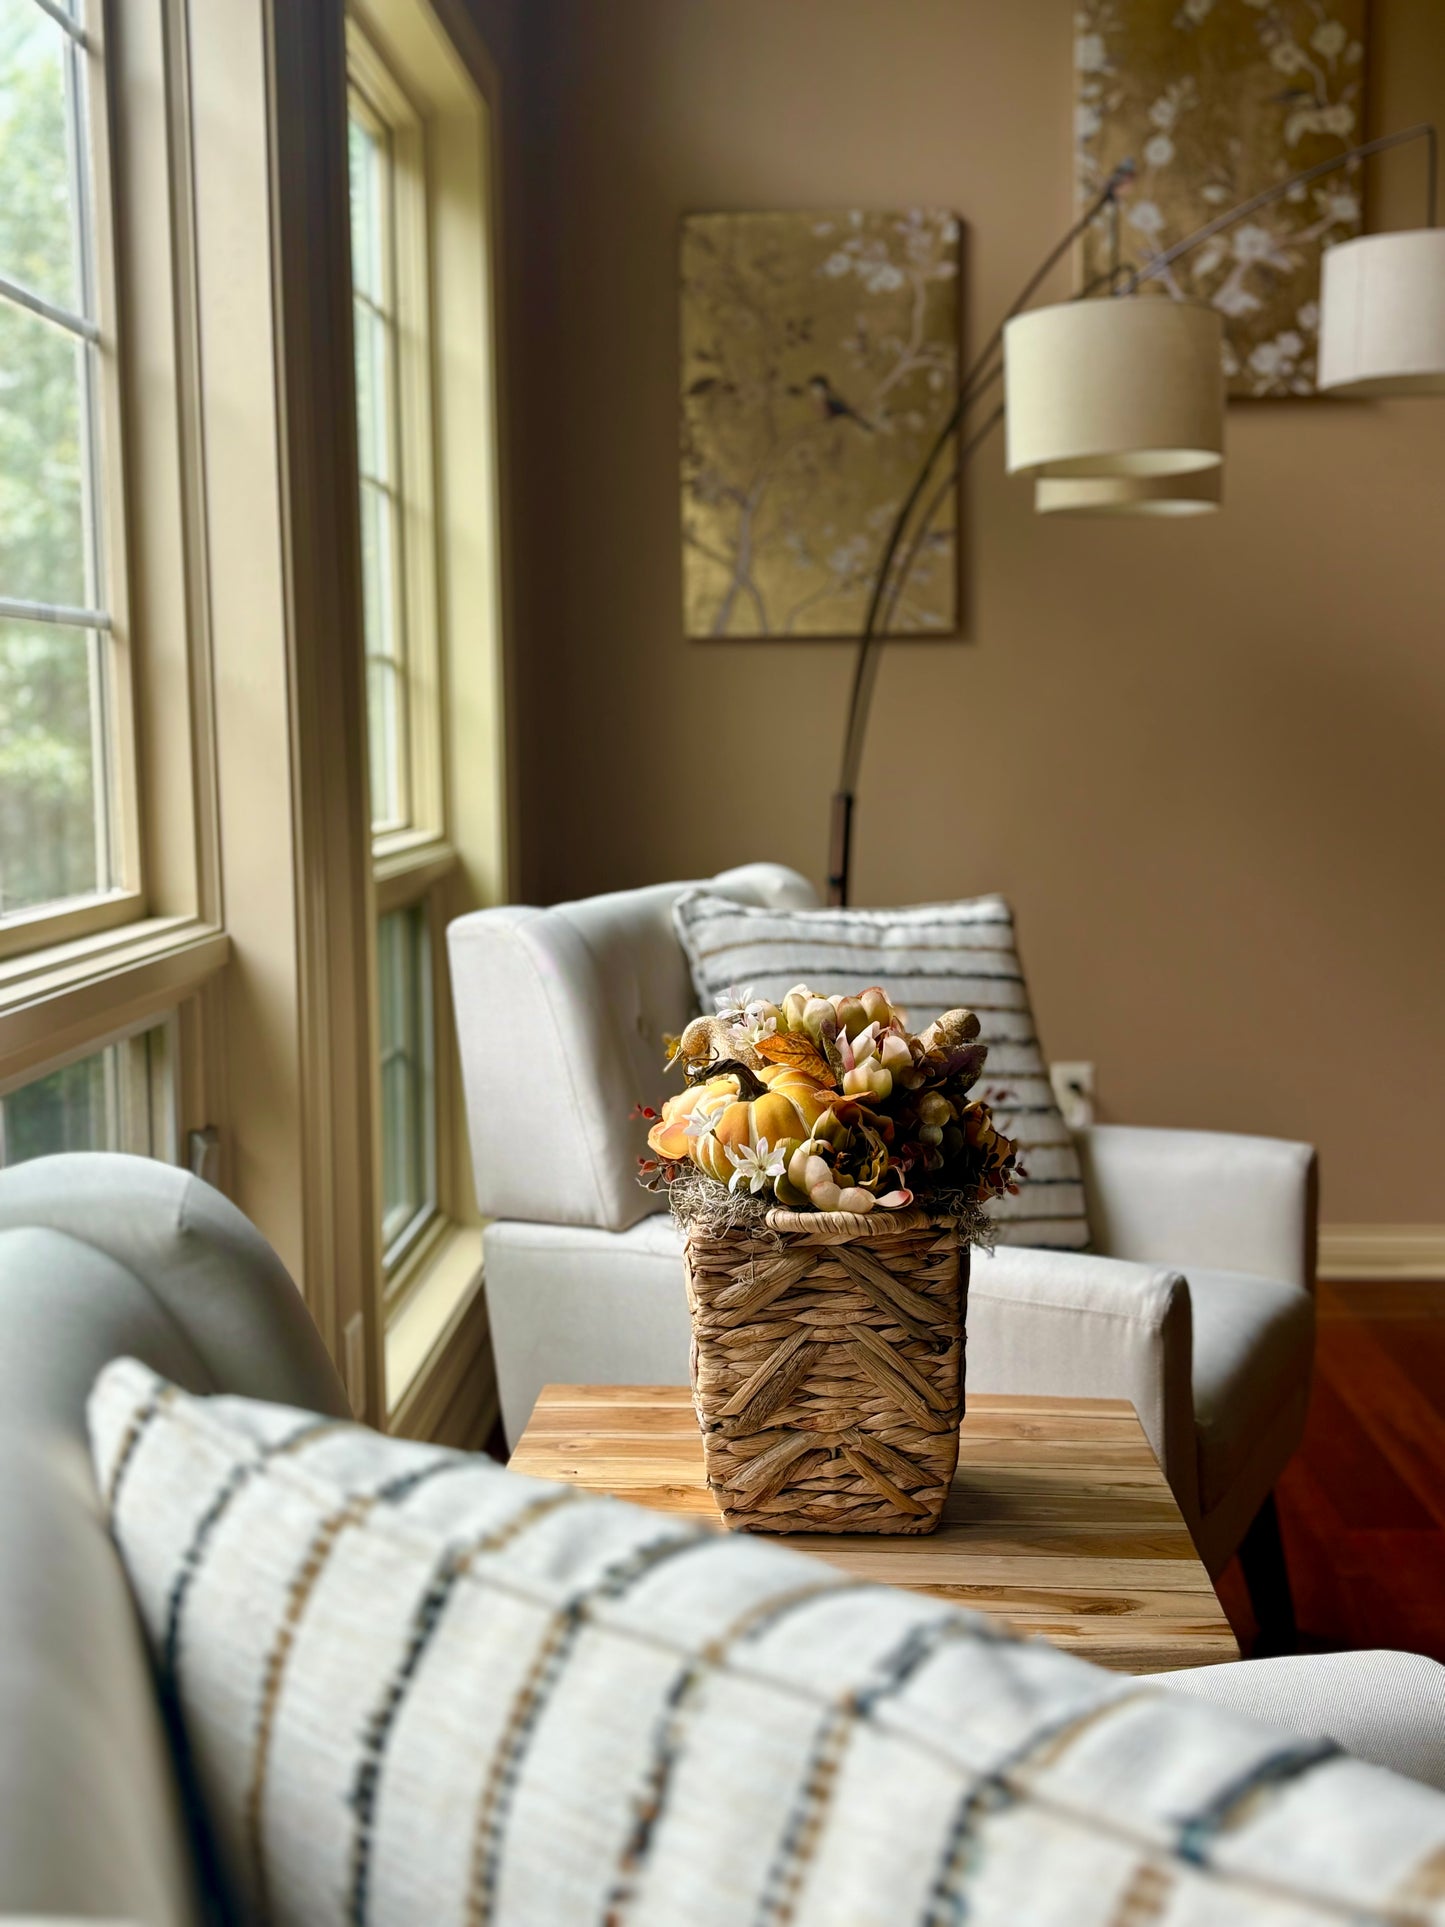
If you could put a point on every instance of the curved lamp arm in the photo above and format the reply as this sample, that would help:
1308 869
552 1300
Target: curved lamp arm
980 377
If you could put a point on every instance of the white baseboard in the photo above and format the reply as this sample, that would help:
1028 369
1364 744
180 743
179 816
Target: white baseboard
1382 1251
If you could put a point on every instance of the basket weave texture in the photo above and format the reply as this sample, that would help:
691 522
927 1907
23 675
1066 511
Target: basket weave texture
827 1368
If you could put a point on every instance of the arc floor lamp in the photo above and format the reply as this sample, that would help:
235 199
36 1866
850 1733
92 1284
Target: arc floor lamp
1116 406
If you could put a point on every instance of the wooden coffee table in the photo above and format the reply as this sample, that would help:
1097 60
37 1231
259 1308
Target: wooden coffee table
1059 1520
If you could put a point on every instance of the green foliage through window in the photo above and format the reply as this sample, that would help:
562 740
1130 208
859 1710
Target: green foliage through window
53 842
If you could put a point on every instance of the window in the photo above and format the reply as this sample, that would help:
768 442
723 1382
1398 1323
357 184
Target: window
374 302
115 1099
68 857
408 1079
422 188
391 270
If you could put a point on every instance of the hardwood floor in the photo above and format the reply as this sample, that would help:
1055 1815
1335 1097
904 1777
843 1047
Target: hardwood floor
1362 1506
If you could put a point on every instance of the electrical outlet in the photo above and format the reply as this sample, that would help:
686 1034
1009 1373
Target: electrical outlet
1074 1092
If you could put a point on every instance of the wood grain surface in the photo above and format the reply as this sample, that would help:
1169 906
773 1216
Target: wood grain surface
1059 1520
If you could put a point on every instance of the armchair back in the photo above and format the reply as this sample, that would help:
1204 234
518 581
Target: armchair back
560 1017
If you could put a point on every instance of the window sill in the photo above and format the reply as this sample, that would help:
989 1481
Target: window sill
406 864
446 1297
58 1000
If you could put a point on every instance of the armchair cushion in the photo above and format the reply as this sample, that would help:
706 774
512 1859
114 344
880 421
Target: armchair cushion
560 1019
416 1687
932 957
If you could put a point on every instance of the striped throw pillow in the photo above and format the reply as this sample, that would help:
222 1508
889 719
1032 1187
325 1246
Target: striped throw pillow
930 958
415 1690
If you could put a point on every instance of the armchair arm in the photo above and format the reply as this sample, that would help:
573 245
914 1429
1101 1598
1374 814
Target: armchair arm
1205 1198
1070 1325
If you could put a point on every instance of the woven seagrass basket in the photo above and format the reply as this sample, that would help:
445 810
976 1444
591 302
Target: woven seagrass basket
827 1368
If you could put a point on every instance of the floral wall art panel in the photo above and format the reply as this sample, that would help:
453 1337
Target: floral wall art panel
1214 100
819 361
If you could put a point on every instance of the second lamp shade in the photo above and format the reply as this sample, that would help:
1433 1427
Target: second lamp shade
1197 493
1382 314
1115 386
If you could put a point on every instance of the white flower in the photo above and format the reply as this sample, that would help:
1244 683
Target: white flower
1090 54
761 1018
754 1169
838 264
1208 258
1159 150
1164 112
1308 316
1197 10
882 277
1235 301
734 998
1145 216
1341 206
1290 343
1289 58
1214 193
1087 121
1338 118
701 1122
1329 39
1269 358
1253 243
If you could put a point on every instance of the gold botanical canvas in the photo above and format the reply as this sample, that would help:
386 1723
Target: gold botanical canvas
1214 100
819 361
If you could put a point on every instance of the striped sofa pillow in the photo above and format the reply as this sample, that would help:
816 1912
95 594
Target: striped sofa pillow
930 957
411 1687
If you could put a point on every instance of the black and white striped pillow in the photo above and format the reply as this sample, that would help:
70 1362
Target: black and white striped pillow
929 957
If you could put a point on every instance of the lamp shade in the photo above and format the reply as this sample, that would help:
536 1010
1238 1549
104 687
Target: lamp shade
1115 386
1197 493
1382 315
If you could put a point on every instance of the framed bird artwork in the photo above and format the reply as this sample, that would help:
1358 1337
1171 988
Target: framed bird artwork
819 361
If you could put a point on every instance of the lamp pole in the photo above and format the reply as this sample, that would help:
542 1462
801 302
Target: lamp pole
985 371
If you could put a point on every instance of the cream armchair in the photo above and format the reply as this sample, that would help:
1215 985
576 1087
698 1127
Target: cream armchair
1196 1304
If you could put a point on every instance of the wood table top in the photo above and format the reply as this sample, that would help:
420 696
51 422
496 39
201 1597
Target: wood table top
1059 1521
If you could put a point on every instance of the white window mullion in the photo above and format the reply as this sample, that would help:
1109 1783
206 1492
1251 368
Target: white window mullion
65 19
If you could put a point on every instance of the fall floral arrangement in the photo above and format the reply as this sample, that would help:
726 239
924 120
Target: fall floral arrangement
827 1104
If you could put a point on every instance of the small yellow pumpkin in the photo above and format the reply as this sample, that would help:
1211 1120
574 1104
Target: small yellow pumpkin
736 1109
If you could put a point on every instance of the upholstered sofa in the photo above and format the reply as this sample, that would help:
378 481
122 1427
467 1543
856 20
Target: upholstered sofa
102 1256
1196 1302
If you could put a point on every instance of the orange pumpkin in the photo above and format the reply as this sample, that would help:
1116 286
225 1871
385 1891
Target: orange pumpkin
784 1108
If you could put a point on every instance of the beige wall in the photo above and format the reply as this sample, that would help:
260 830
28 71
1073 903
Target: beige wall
1206 761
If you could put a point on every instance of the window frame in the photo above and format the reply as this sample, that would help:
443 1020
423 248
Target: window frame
72 976
158 1069
373 78
117 775
414 862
